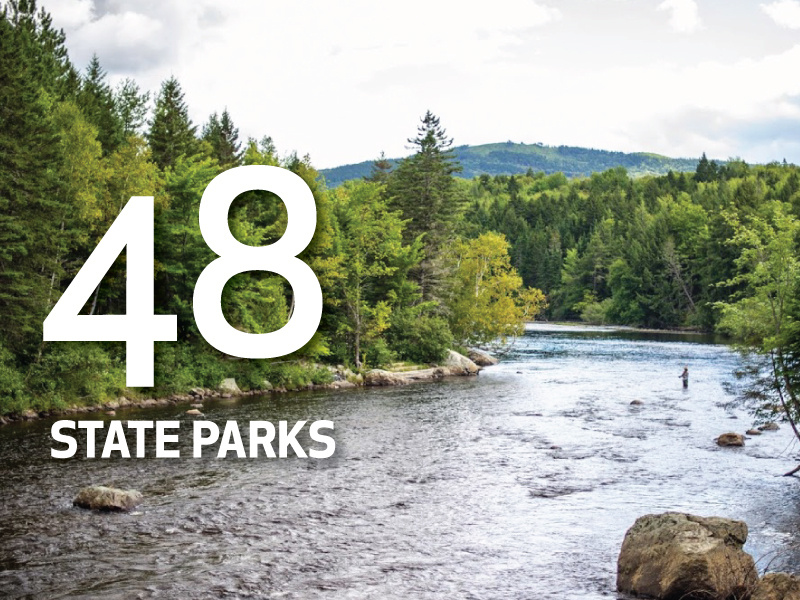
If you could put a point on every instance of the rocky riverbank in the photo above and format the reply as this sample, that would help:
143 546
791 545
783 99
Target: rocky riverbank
343 378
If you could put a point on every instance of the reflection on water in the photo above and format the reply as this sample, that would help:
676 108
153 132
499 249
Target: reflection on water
519 483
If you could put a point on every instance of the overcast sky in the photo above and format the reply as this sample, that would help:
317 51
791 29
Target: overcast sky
342 81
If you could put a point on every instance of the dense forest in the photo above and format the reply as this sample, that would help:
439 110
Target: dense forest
399 281
511 158
412 258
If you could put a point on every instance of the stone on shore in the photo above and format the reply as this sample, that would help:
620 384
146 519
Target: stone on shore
674 556
228 386
777 586
481 358
379 377
100 497
458 364
730 439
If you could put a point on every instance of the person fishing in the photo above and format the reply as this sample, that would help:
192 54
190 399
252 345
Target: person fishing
685 377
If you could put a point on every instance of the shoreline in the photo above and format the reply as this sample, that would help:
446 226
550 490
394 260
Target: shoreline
455 366
631 328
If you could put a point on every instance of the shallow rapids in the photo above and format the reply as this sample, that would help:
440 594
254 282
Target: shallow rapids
518 483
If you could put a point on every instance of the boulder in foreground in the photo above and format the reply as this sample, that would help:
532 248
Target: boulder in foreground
100 497
777 586
674 556
730 439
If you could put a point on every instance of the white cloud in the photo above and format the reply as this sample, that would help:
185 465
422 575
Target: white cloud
785 13
71 13
685 16
343 81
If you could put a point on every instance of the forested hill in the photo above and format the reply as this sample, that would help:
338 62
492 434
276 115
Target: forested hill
509 159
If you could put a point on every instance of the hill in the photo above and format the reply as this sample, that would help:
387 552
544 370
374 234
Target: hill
510 158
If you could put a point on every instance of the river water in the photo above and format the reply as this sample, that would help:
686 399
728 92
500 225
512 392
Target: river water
518 483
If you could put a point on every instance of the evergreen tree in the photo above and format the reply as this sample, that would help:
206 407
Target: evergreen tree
131 106
706 170
45 47
171 134
423 189
29 194
381 169
224 139
96 100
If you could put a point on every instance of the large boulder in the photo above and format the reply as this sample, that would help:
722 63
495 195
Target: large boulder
674 556
777 586
228 386
481 358
458 364
100 497
730 439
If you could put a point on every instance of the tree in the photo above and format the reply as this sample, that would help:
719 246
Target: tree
131 106
171 132
487 301
96 100
381 169
369 238
224 139
422 188
29 190
765 317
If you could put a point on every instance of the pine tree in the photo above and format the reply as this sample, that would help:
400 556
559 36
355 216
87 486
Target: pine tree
224 139
171 134
29 235
706 170
423 189
131 106
96 101
381 169
44 46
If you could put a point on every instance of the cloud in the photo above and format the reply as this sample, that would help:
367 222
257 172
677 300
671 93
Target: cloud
343 81
785 13
685 16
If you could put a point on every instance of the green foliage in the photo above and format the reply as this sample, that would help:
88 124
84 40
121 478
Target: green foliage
423 190
486 300
224 139
171 133
418 335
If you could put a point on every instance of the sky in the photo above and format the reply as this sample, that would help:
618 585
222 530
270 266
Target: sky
343 81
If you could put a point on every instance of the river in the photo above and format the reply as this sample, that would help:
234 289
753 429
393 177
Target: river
518 483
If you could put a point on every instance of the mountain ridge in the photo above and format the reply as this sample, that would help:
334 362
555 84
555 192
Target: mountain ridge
511 158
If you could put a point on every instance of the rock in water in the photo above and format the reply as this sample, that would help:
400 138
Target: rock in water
777 586
769 427
636 402
100 497
458 364
193 411
675 556
228 386
730 439
481 358
752 432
